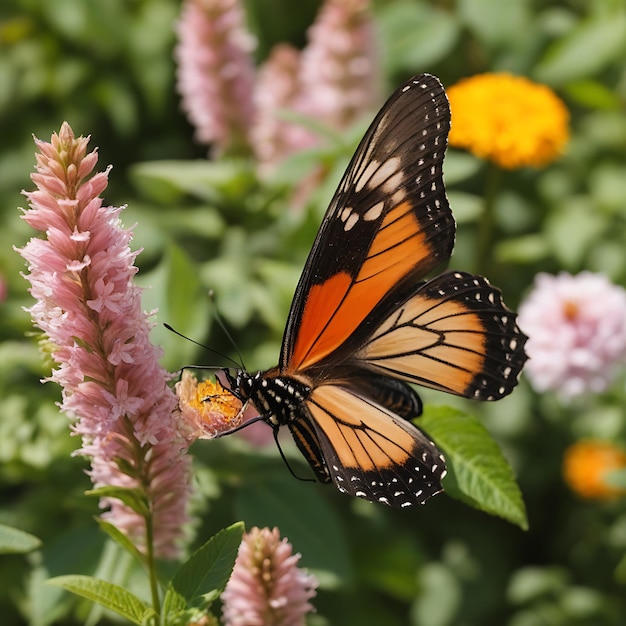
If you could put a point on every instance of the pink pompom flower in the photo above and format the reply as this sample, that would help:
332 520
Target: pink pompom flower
577 332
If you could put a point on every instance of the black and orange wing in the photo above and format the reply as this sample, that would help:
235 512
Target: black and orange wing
366 449
389 224
453 333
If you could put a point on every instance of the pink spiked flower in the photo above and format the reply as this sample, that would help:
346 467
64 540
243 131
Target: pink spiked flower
216 73
333 81
577 332
90 313
339 72
266 586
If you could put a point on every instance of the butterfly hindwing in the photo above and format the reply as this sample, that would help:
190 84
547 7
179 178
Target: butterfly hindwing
389 223
453 334
370 452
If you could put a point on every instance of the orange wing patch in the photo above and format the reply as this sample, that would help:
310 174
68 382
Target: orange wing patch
335 308
455 335
366 435
436 345
315 339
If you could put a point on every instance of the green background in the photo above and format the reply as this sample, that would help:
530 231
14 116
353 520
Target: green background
107 68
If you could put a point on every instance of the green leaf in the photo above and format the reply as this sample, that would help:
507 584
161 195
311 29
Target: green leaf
206 572
525 249
209 180
415 35
113 597
592 94
572 229
15 541
616 478
134 498
174 288
182 287
467 207
586 50
494 21
478 473
304 516
121 539
460 166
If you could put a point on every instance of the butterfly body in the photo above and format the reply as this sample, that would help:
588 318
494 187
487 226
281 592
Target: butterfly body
364 322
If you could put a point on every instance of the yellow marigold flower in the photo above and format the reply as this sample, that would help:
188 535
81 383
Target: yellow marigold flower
206 407
586 464
508 119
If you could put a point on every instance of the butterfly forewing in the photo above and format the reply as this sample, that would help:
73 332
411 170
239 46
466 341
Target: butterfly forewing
453 334
389 223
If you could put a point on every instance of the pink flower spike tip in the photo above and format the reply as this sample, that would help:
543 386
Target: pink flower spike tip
266 586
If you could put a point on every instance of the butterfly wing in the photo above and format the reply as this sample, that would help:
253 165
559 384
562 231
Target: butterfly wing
366 449
388 224
453 334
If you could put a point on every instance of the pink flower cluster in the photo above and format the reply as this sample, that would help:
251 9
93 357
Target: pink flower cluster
215 72
577 332
266 586
90 312
333 80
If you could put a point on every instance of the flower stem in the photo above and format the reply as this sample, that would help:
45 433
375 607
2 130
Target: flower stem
486 227
150 561
141 474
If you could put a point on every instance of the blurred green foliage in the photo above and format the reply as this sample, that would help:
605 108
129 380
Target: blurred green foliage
107 68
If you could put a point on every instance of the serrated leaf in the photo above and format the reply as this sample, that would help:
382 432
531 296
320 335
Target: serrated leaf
15 541
113 597
478 473
134 498
121 539
206 571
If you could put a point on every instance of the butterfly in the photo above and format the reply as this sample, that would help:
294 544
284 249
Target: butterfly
364 322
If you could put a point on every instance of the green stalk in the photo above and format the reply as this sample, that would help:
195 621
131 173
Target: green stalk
141 474
150 562
486 226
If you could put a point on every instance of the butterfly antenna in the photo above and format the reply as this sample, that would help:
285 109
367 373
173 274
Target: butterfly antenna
219 320
284 458
201 345
275 429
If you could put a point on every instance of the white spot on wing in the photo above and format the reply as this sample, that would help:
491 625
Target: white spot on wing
394 182
374 213
351 221
366 175
385 174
